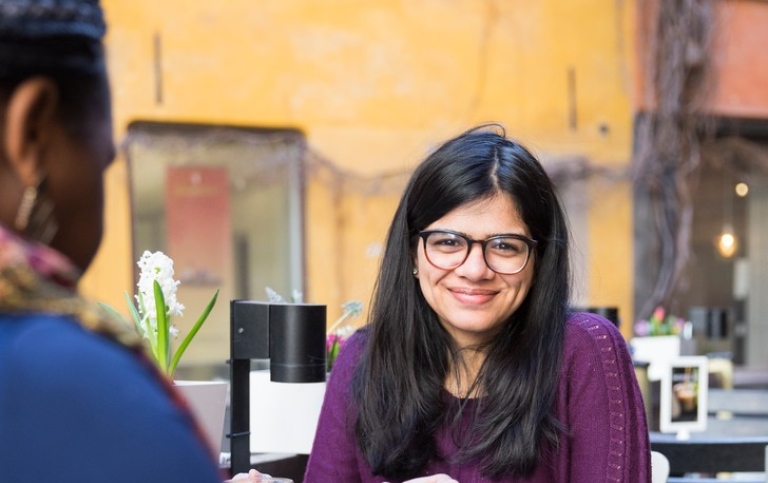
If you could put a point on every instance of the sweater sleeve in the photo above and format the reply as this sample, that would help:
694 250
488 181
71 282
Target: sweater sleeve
334 454
608 438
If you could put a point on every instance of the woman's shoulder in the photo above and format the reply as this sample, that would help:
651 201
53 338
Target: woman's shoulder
595 355
590 332
59 374
357 342
53 352
31 339
37 335
351 352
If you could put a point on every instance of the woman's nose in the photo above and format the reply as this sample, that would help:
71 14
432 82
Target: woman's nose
474 267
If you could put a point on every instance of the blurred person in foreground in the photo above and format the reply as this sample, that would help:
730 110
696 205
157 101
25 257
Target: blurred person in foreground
471 367
79 401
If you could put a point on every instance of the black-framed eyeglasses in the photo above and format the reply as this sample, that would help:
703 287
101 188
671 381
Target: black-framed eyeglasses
504 254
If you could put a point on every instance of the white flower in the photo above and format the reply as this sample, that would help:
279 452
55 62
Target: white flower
274 297
156 266
154 323
353 308
344 331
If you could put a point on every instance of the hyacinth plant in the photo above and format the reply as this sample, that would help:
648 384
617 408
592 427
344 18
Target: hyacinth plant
337 334
659 323
155 304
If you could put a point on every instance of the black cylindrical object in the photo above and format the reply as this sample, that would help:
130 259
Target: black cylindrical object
610 313
297 342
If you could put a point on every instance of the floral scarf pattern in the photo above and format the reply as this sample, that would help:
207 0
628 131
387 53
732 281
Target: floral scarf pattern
36 279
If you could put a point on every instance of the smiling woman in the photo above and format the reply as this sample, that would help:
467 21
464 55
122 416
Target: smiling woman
472 368
472 298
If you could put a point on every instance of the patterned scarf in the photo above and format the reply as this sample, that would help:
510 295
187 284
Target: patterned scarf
36 279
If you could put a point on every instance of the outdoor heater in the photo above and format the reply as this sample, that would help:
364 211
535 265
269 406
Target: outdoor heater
292 337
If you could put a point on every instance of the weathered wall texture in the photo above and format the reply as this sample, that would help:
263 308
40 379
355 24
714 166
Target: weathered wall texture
374 86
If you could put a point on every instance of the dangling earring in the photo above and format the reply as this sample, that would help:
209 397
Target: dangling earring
35 217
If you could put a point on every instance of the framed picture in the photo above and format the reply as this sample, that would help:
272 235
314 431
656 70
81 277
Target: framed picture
683 402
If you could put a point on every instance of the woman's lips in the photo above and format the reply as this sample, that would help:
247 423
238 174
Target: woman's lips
472 296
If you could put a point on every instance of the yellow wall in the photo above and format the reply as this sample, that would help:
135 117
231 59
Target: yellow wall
374 85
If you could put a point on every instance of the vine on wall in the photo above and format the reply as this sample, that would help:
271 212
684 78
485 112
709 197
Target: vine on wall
668 139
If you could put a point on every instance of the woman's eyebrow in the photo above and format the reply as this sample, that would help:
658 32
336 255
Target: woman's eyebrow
506 233
457 232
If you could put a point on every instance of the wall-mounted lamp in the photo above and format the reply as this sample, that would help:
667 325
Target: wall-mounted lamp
741 189
292 336
726 242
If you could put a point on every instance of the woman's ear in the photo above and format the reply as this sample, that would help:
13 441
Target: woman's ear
29 123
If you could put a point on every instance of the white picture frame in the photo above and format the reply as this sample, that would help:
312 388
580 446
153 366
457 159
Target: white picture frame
683 399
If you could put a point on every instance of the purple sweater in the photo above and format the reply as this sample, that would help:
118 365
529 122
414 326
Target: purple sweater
598 399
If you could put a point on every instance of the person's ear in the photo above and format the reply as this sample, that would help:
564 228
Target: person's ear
30 119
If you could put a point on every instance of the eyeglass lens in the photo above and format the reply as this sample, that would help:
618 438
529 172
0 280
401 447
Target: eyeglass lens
505 255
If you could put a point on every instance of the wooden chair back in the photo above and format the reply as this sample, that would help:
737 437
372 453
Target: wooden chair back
725 403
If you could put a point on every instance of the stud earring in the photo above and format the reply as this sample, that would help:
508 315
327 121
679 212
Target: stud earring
415 272
35 217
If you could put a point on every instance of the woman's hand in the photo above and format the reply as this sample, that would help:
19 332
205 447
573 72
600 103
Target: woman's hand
252 476
440 478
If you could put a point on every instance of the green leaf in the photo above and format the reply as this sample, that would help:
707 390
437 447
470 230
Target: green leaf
162 329
152 339
142 307
333 352
134 313
114 312
185 343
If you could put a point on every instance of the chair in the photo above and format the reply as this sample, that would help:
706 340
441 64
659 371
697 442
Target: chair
727 403
737 412
659 467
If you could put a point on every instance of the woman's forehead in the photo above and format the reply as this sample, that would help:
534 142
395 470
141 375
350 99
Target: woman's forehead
484 218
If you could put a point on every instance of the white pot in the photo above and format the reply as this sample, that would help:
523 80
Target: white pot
208 402
283 415
658 351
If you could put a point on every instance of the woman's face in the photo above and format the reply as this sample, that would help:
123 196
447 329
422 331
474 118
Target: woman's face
74 169
471 300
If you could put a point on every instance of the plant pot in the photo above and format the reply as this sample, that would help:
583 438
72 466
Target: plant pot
208 402
283 415
657 350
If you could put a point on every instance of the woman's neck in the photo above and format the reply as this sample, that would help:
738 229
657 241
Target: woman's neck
461 378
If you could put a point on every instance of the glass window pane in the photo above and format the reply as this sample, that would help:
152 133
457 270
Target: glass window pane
225 204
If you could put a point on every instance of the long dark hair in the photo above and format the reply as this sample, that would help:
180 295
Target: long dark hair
398 386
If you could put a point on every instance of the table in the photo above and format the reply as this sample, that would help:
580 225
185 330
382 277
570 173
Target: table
734 445
287 465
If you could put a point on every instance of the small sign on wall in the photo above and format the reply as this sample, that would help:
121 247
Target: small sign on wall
199 229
